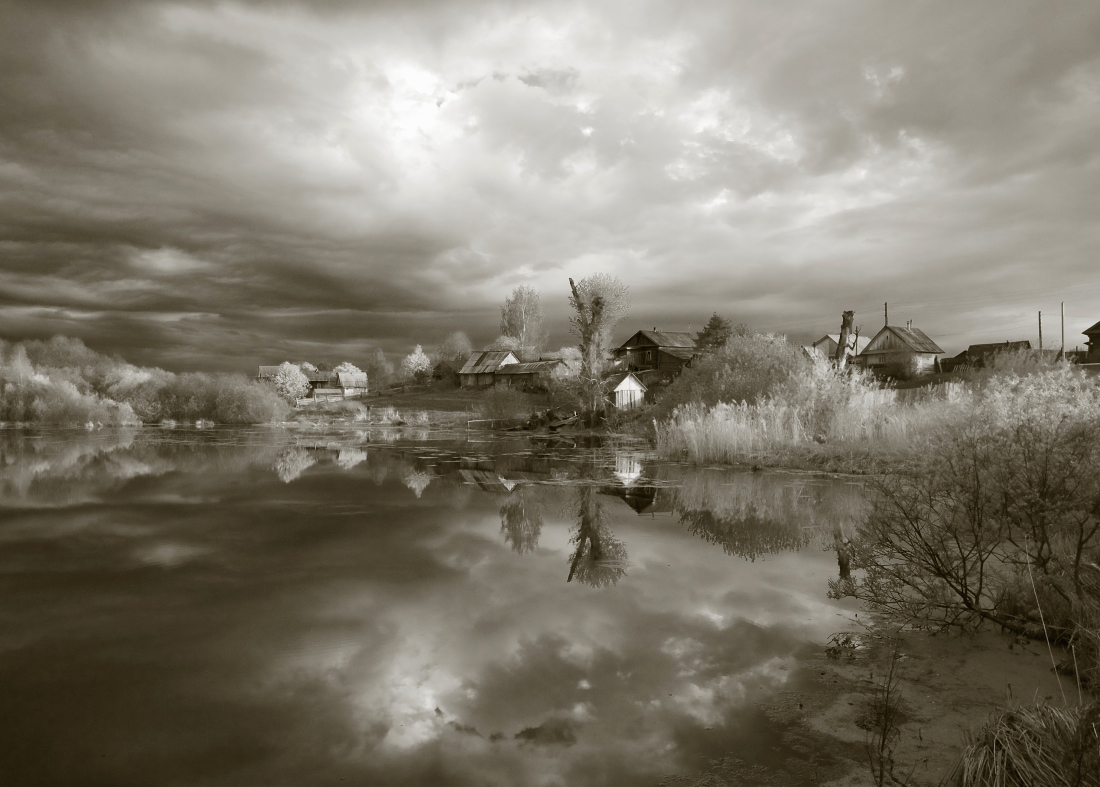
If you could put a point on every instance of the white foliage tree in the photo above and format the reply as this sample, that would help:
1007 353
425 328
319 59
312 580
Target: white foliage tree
290 383
416 365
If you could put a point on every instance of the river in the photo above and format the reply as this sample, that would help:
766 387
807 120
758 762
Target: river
401 606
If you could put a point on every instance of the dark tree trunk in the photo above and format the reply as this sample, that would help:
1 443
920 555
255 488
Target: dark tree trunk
846 320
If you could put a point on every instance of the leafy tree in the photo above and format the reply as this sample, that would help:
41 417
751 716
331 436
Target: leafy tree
511 343
308 368
379 370
521 317
453 352
521 520
347 367
290 383
416 366
715 333
599 302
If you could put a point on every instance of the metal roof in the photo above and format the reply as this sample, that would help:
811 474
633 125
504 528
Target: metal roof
486 362
352 379
666 338
531 367
916 339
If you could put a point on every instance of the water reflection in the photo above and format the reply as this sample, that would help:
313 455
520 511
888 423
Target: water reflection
273 606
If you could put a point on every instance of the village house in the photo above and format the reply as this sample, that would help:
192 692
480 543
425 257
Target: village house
900 352
1093 354
316 379
825 347
530 376
976 356
625 390
480 368
666 352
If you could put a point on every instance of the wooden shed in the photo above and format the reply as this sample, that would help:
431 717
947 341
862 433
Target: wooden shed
900 352
534 375
480 368
625 391
352 383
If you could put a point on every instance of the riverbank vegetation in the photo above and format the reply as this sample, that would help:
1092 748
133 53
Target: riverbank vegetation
62 382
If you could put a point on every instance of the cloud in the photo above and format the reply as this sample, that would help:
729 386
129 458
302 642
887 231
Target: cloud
390 171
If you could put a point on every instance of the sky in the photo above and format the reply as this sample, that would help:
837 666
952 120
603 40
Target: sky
214 185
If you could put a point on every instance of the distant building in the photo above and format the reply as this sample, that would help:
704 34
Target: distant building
1093 355
827 344
533 375
480 367
316 379
625 390
900 352
352 383
663 351
976 356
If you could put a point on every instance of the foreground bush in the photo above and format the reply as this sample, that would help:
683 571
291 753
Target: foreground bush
504 403
999 519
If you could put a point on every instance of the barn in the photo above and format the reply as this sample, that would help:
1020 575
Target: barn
352 383
625 391
480 368
900 352
534 375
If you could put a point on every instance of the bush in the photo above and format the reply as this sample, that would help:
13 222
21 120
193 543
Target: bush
504 403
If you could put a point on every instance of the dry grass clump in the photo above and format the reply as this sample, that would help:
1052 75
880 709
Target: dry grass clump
504 403
1038 746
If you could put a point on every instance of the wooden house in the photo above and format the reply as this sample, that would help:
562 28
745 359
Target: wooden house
663 351
1093 354
625 390
480 368
316 379
530 376
900 352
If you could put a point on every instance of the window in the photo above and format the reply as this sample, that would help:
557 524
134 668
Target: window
649 355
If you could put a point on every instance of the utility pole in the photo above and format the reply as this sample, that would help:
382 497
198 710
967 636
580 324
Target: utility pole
1040 332
1062 352
886 313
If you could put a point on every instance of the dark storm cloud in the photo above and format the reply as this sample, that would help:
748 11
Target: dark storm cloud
208 183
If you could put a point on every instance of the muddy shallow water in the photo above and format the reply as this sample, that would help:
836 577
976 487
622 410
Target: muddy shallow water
262 606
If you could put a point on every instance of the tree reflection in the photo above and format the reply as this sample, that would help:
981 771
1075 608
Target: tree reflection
521 520
599 559
292 463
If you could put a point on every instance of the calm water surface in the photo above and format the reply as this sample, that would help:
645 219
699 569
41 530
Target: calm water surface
261 606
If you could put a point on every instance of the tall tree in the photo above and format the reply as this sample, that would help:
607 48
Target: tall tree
521 317
416 366
453 352
599 302
379 370
715 333
290 382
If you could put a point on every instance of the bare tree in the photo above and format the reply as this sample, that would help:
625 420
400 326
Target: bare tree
521 317
599 301
453 352
846 345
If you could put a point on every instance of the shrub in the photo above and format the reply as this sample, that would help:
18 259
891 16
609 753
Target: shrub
504 403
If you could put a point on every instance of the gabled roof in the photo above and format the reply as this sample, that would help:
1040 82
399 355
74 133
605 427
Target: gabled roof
613 382
1092 330
683 353
664 338
318 377
487 362
531 367
914 338
861 341
352 379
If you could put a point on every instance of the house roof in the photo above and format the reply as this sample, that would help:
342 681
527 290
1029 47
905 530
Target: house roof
1092 330
683 353
665 338
861 341
531 367
352 379
916 339
487 362
318 377
983 350
613 382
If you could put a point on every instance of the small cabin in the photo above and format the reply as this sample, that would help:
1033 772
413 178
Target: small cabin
625 391
480 368
664 351
900 352
352 383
